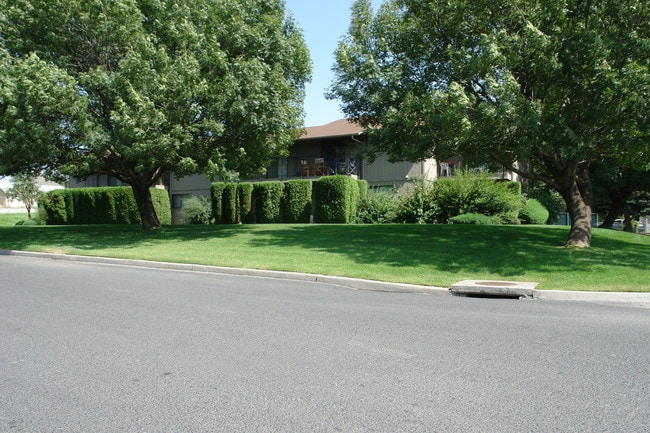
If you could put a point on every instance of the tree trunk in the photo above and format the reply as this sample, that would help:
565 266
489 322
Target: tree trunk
148 215
580 213
614 211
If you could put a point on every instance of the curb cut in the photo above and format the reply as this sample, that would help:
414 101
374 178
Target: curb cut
640 299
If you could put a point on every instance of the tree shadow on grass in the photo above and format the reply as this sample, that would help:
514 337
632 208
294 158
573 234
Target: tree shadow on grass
501 250
506 251
92 237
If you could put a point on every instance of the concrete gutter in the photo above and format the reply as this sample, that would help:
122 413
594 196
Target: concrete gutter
496 290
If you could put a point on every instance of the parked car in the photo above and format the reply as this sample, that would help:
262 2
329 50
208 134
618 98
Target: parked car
618 224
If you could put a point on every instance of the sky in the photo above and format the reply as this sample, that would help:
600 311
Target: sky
323 24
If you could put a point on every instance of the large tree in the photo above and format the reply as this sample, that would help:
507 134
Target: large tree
139 88
543 87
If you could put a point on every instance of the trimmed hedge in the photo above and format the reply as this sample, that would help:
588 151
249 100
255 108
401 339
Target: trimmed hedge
336 199
287 202
229 204
245 209
105 205
533 212
268 202
216 197
296 201
471 218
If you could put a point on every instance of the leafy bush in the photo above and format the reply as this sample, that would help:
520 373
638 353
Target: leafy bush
417 205
296 201
533 212
197 210
475 193
378 207
268 202
471 218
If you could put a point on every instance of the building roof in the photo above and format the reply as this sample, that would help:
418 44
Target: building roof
338 128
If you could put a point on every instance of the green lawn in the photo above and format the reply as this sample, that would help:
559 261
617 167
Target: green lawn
436 255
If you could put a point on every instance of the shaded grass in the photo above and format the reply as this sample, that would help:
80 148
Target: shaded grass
437 255
10 219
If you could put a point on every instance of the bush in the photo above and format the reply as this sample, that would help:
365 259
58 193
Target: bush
216 197
471 218
197 210
245 213
268 202
476 193
229 204
378 207
533 212
549 198
106 205
296 201
417 205
54 207
336 199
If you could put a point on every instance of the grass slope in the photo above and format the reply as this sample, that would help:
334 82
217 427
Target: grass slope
436 255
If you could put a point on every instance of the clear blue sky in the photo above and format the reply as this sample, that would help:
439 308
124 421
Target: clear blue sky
323 24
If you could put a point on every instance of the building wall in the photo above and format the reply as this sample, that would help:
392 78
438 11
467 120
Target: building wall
382 172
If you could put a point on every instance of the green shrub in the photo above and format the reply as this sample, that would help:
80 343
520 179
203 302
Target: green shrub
160 198
378 207
476 193
268 202
107 205
54 207
245 212
549 198
533 212
471 218
296 201
363 190
197 210
336 199
216 198
229 204
416 204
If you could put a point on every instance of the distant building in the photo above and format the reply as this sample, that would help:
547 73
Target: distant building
8 205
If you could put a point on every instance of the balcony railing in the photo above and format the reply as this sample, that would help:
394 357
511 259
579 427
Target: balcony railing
312 167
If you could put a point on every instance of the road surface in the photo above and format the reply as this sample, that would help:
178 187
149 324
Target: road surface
96 348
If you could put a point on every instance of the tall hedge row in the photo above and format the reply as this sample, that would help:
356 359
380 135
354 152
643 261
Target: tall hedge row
334 199
105 205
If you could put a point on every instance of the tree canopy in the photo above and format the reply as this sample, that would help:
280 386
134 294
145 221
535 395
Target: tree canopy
545 87
138 88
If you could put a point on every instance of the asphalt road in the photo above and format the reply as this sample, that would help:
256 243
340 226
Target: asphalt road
95 348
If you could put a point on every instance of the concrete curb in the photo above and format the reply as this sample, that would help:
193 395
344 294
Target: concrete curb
353 283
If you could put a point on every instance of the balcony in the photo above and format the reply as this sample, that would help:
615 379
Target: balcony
312 167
